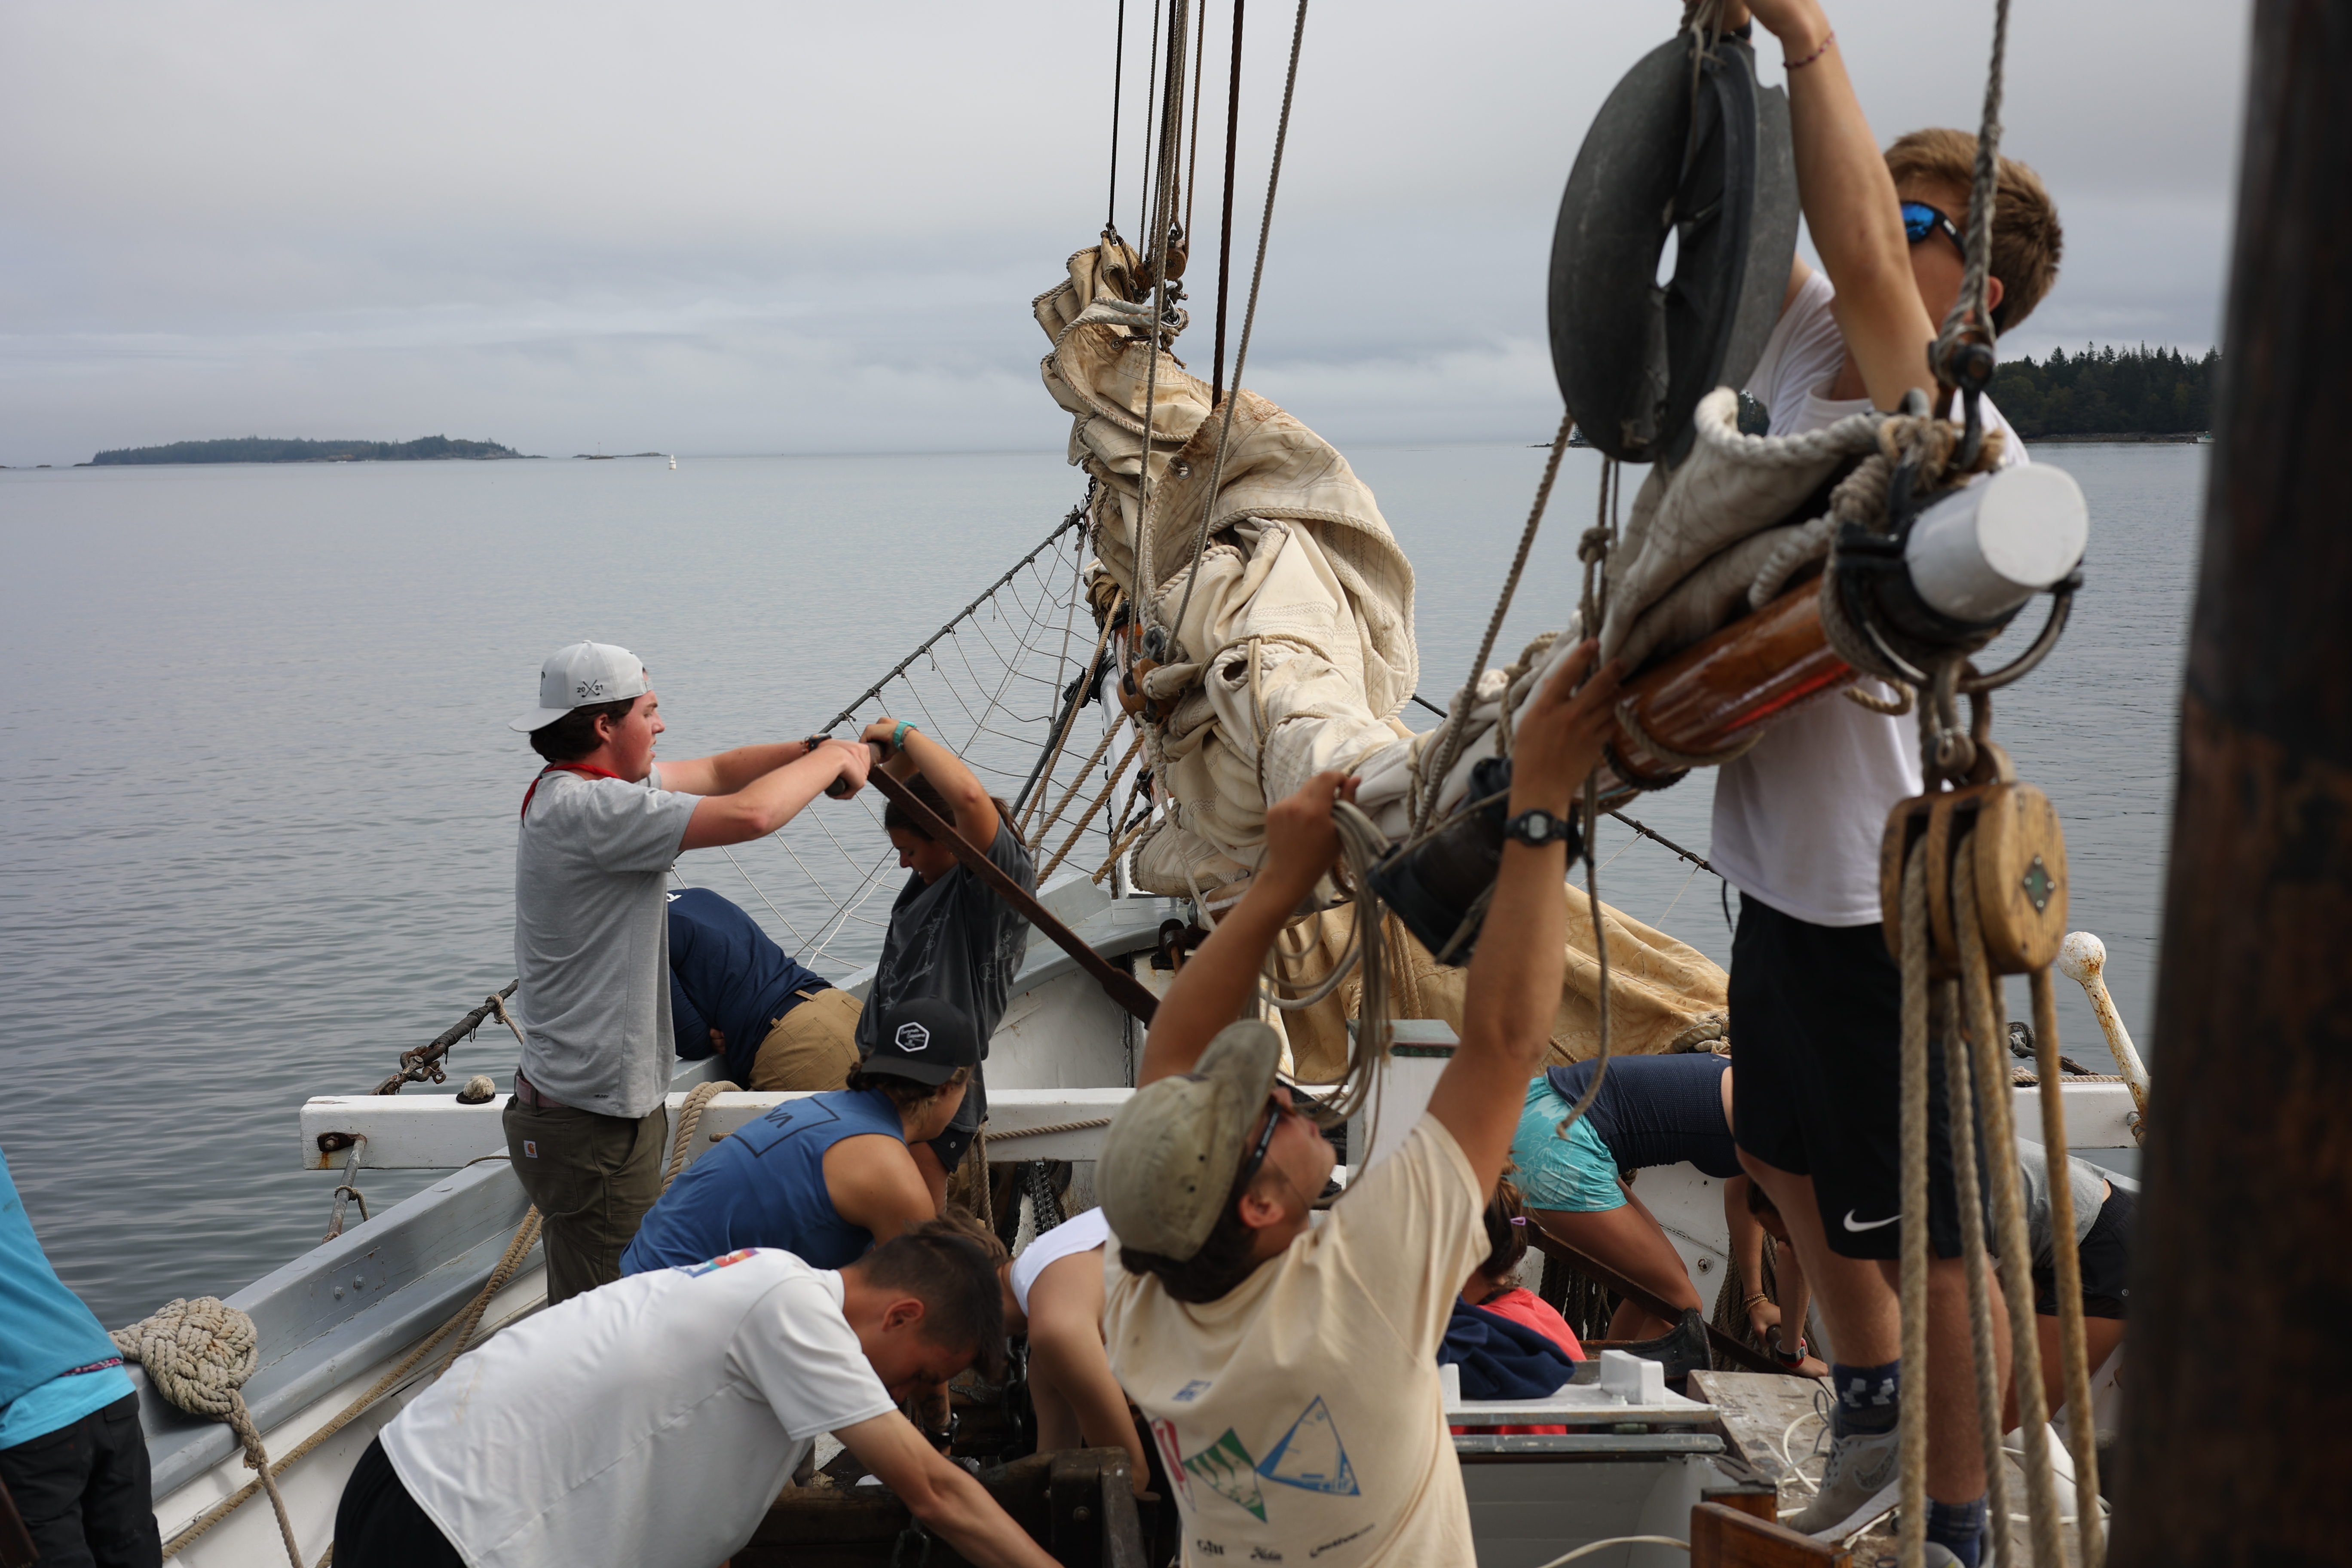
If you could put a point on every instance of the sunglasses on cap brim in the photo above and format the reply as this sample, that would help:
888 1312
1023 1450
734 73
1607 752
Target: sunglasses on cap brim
1920 220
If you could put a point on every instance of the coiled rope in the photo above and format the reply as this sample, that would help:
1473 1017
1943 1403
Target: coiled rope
464 1326
198 1355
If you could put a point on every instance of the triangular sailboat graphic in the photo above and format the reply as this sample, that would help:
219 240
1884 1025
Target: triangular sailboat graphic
1311 1457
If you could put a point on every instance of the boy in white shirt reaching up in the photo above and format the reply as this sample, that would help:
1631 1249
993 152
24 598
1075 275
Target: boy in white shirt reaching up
1816 1000
1290 1374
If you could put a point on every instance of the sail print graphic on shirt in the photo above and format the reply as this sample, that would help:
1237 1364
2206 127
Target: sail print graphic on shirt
1226 1469
1172 1455
1311 1456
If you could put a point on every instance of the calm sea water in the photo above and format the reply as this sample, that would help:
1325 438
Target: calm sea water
258 793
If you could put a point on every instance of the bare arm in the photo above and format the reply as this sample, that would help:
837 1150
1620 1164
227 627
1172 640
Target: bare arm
967 797
1066 1308
1219 980
724 773
1851 209
758 808
941 1494
874 1185
1515 977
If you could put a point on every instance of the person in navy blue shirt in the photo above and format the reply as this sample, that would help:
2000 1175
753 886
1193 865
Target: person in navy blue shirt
72 1452
826 1177
733 991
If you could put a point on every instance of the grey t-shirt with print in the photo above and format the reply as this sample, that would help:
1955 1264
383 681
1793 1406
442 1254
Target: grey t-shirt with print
956 941
592 940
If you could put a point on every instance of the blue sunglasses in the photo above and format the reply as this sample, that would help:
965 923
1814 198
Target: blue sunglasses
1919 220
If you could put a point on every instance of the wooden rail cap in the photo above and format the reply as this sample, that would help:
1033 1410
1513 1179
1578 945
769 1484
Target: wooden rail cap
1725 1537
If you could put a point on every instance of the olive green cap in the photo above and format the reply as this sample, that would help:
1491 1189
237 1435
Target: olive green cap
1171 1157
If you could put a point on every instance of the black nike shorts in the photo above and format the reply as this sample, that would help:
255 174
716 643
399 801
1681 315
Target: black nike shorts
2106 1254
1816 1053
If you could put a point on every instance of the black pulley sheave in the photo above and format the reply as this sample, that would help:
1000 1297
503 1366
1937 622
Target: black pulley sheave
1712 167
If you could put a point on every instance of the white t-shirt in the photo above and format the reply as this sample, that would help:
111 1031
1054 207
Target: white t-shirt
592 940
1300 1417
652 1420
1798 819
1083 1234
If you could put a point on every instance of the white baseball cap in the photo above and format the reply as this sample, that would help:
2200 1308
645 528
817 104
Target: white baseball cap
581 673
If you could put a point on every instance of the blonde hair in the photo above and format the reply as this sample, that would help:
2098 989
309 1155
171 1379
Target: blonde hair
2026 238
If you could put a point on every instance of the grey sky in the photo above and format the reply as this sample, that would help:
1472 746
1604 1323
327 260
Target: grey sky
731 227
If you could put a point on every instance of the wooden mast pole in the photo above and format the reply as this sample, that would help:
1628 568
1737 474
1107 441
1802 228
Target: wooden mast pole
2236 1442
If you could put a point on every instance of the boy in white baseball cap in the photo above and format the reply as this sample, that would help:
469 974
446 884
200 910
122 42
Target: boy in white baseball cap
601 825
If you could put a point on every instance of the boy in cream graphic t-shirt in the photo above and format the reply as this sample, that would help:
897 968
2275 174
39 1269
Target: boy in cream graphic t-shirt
1290 1374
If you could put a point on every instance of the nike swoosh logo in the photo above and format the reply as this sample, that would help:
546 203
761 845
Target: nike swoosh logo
1868 1225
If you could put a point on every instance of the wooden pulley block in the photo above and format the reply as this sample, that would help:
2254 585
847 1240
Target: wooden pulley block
2019 853
1131 695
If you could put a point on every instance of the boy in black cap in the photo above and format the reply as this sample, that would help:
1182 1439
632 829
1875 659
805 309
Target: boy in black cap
827 1176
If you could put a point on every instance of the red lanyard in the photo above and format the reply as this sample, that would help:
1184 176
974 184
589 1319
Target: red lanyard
582 769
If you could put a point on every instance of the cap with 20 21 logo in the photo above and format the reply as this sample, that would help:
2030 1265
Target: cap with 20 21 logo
925 1040
579 674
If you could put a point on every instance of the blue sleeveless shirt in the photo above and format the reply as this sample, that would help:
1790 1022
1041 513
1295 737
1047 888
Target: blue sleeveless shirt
766 1186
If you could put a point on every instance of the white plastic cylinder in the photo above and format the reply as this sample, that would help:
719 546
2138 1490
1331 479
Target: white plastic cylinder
1983 550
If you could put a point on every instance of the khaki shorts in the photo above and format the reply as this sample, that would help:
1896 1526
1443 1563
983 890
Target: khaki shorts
812 1046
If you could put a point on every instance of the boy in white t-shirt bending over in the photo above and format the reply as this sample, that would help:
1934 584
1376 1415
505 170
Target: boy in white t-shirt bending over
653 1420
1290 1374
1816 1000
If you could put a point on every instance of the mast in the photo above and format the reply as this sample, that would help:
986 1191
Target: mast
2235 1445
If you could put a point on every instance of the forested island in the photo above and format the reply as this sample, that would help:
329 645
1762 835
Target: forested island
267 449
2109 391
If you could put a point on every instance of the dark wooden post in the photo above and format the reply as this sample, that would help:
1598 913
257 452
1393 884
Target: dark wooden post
2237 1442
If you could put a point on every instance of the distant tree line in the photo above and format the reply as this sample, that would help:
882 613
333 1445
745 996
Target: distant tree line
2109 391
266 449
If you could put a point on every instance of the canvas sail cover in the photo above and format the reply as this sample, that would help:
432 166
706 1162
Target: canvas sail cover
1294 655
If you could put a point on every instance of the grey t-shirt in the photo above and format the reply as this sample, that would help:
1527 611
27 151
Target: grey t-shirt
592 940
954 940
2033 1180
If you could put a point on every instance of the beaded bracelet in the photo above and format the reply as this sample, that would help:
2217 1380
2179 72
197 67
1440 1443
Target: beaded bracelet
1799 65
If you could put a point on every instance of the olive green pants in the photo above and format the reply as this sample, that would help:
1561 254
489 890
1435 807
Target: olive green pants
593 1177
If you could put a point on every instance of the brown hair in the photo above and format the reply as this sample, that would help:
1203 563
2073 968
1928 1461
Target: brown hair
895 816
951 1268
574 736
1506 1230
905 1093
2026 238
1225 1259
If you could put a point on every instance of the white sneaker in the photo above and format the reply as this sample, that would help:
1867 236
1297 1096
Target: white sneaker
1862 1480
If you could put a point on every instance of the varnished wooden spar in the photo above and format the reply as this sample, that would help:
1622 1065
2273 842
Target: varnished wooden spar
1718 694
2236 1445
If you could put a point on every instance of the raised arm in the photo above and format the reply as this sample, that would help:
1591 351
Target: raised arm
756 808
912 751
1513 987
1217 982
1851 209
939 1492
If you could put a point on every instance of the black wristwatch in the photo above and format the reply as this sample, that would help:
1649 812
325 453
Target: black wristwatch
1538 828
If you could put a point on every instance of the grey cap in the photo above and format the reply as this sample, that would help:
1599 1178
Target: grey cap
1171 1156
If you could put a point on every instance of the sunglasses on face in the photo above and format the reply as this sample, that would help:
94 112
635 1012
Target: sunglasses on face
1920 220
1274 1114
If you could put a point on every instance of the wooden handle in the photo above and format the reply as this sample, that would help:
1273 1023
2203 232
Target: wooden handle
1122 987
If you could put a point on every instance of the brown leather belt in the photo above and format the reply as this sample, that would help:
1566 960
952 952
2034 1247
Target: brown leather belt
524 1093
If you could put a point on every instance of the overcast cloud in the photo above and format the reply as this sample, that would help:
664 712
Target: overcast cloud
760 227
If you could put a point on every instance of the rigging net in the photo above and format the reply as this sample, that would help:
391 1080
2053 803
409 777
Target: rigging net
994 685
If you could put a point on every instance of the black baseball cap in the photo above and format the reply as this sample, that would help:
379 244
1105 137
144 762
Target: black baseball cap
925 1040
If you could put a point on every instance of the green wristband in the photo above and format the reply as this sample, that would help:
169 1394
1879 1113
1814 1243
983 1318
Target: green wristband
898 736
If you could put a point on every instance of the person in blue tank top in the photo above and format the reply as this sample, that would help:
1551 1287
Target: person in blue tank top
72 1456
828 1175
1651 1110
